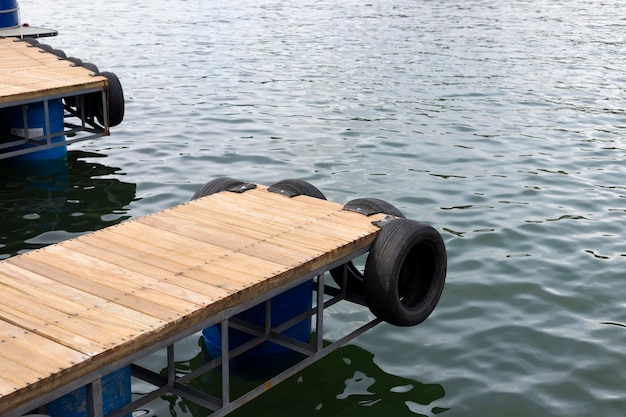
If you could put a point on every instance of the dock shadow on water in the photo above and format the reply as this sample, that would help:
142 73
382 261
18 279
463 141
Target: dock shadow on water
45 202
347 382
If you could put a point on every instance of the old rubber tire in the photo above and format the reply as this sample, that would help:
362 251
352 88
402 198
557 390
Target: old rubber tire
91 67
367 206
370 205
77 62
116 100
405 272
217 185
295 187
58 53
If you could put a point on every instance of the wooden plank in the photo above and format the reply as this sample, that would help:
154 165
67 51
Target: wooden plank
99 249
285 241
81 320
190 272
44 356
274 219
26 357
255 245
308 236
7 386
86 268
219 258
270 205
111 319
51 330
121 295
200 260
20 352
301 210
18 375
28 72
314 234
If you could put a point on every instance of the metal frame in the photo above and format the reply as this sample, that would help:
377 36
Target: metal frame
326 296
86 128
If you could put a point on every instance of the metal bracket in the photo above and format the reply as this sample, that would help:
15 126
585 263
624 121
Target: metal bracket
241 188
359 208
284 191
384 221
223 404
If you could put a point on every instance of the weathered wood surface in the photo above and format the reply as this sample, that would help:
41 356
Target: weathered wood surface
71 308
28 72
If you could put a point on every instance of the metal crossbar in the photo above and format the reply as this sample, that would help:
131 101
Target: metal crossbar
314 351
77 126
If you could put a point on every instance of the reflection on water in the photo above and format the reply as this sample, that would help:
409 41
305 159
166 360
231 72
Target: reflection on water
501 123
346 382
45 202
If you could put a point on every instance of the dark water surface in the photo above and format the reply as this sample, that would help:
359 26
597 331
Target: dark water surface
502 124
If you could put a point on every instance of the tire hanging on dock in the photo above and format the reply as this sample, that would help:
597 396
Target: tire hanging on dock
77 62
91 67
294 187
45 47
58 53
31 41
116 101
217 185
366 206
90 104
405 272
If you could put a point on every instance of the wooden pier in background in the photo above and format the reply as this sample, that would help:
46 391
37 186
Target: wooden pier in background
75 311
30 74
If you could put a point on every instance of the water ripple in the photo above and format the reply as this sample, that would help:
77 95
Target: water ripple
500 123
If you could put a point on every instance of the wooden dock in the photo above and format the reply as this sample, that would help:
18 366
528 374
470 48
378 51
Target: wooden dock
77 310
31 74
28 73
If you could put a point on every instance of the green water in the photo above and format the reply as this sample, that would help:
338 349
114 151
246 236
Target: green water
501 124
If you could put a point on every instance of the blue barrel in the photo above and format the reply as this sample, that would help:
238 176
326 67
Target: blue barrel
8 14
13 124
115 394
285 306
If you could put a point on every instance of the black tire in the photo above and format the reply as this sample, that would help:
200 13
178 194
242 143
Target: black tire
59 53
367 206
405 272
73 100
70 101
45 47
295 187
77 62
91 67
116 101
217 185
93 101
31 41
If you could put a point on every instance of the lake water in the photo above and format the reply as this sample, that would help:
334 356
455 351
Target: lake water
502 124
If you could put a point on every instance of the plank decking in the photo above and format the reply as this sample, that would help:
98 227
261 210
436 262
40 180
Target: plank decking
28 73
72 309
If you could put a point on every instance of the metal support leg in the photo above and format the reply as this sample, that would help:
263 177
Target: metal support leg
94 399
25 119
225 364
171 366
319 319
46 116
268 317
